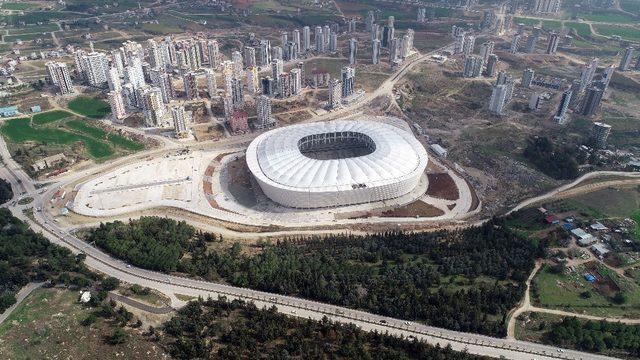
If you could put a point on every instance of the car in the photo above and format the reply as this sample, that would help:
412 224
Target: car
293 311
128 266
383 321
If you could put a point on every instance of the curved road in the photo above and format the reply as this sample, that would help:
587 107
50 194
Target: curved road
96 259
99 261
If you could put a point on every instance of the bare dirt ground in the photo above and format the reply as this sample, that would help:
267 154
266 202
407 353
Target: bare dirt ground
453 113
240 184
207 131
47 326
442 186
416 208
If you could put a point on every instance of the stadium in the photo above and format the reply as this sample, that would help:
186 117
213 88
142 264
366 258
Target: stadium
336 163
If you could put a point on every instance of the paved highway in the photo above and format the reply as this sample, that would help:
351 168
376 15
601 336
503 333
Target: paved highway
98 260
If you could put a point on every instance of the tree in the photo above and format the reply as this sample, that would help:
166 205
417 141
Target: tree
619 298
89 320
394 274
119 336
585 294
27 256
557 162
110 283
5 191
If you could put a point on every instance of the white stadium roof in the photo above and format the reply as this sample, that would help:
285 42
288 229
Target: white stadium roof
275 158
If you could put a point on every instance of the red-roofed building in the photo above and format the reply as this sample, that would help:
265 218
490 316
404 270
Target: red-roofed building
552 219
238 122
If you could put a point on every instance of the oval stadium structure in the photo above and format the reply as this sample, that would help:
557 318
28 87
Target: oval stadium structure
336 163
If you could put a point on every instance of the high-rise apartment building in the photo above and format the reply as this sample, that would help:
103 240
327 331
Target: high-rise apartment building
179 116
375 51
599 134
295 38
263 110
134 73
388 33
333 42
532 40
113 79
265 53
237 93
190 82
498 99
238 65
527 77
335 93
472 66
296 81
626 59
546 6
353 51
515 44
319 40
116 102
492 65
348 81
253 80
422 15
468 45
59 75
534 102
96 65
152 106
552 45
592 99
561 114
371 19
306 38
213 54
486 49
588 72
162 80
212 86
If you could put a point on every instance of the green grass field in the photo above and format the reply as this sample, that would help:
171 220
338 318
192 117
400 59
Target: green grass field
581 29
33 29
19 131
160 29
25 37
632 6
271 5
47 325
609 202
564 291
526 21
552 24
49 116
624 32
16 6
90 107
35 17
636 218
99 134
613 17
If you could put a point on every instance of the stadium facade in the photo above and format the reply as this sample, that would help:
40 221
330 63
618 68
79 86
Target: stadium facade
336 163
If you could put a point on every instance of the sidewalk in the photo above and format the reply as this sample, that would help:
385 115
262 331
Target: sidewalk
20 296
